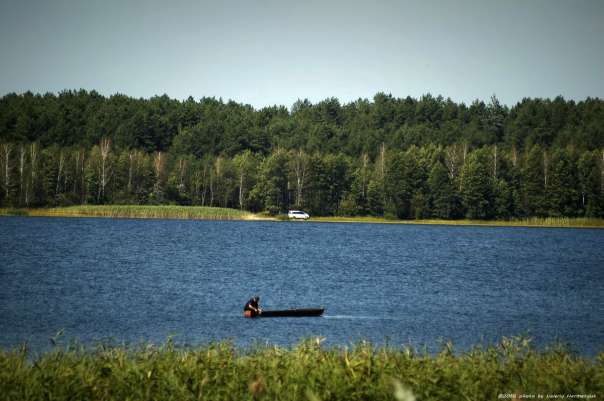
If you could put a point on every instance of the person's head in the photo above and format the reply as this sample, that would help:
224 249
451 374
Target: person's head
256 299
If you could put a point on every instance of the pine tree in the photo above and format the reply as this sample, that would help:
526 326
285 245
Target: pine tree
271 192
375 198
444 201
562 192
532 197
476 185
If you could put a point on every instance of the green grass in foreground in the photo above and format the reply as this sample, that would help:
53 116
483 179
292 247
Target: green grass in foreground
136 211
307 371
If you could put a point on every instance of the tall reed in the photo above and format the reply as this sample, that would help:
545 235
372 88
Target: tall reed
138 211
308 371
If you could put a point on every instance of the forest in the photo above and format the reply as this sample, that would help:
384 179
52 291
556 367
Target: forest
401 158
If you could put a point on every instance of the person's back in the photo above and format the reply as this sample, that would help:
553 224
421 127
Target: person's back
251 308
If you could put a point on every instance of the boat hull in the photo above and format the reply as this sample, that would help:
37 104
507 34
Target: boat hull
308 312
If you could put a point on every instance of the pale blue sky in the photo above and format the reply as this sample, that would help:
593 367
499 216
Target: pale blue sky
265 52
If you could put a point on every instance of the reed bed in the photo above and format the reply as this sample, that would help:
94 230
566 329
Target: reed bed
571 222
560 222
216 213
307 371
137 211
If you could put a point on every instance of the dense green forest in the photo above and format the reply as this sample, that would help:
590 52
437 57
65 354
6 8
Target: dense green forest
405 158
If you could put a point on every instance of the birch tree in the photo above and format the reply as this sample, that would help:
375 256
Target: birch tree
182 170
76 160
197 183
61 163
382 161
159 162
5 151
201 180
246 165
602 173
545 168
33 160
299 162
131 160
105 149
82 173
215 174
514 156
223 182
455 156
138 173
22 183
181 182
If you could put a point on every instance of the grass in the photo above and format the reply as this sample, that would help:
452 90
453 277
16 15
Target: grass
307 371
137 211
215 213
575 222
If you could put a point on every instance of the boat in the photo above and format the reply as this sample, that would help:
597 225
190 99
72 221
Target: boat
307 312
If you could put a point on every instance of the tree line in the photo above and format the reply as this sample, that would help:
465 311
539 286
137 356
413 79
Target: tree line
213 127
406 158
431 181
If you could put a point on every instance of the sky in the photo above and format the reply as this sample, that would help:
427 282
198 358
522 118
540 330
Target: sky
266 52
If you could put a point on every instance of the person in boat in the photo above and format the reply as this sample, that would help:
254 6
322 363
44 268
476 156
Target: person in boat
252 308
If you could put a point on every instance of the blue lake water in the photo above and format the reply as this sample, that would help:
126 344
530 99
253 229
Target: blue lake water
133 280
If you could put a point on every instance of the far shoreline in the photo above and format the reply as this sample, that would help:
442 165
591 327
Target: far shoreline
214 213
525 223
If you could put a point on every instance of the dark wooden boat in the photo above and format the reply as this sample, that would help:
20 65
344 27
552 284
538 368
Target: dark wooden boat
291 313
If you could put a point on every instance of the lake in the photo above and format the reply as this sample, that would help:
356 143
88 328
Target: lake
144 280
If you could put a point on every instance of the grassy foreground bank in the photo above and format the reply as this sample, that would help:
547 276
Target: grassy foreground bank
305 372
216 213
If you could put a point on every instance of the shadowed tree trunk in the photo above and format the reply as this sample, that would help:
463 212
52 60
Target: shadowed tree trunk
204 186
22 186
77 171
364 178
83 177
131 156
105 148
545 168
6 151
495 162
182 169
158 164
33 159
59 172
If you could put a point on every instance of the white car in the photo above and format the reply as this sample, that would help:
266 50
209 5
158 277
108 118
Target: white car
297 214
